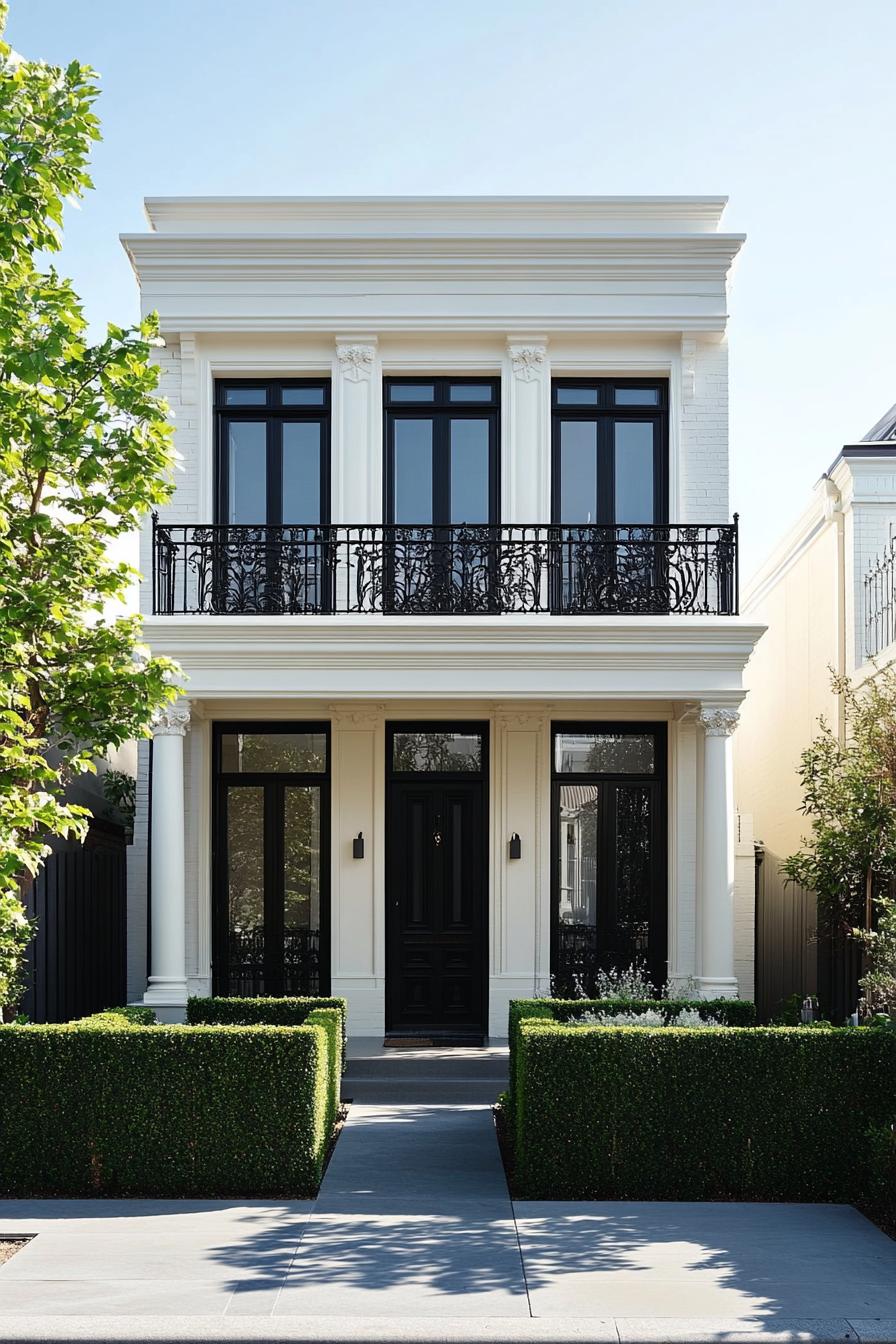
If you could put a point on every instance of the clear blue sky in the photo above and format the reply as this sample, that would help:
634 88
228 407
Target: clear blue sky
786 107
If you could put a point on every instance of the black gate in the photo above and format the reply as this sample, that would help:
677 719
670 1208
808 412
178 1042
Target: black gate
76 963
791 958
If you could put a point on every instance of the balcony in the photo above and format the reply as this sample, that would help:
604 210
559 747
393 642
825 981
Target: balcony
470 570
880 602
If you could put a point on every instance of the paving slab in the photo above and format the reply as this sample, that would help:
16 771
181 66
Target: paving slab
759 1263
413 1238
413 1217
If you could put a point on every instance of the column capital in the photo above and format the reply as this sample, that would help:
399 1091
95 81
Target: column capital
356 356
355 714
172 720
718 720
523 716
528 356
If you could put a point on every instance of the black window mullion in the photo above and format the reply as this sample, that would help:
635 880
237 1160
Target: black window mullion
275 472
441 470
273 886
606 470
660 474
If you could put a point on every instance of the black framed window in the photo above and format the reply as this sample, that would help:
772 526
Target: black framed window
271 848
608 855
609 451
273 454
441 451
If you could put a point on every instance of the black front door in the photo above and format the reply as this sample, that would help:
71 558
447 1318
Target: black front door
436 888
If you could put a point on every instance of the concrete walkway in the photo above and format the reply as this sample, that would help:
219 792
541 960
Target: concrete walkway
414 1237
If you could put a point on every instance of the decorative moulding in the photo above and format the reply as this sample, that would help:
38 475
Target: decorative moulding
172 720
523 717
356 359
361 714
413 215
718 721
528 359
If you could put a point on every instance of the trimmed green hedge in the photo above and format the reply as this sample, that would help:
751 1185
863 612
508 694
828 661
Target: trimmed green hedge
130 1013
764 1114
331 1020
285 1012
732 1012
116 1108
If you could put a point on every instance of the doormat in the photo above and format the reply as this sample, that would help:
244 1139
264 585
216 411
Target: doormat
432 1042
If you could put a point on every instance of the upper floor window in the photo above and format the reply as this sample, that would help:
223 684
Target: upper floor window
441 451
610 448
273 455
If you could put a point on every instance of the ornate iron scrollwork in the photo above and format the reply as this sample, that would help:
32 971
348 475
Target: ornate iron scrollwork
474 570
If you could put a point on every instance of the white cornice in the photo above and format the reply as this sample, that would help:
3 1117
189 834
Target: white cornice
369 658
396 215
685 254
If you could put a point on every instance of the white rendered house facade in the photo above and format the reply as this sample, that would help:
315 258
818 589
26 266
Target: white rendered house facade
451 576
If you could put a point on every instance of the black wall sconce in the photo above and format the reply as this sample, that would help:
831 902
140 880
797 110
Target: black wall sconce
358 846
515 848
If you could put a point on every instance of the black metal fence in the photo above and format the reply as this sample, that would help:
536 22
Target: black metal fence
880 601
791 958
76 962
423 571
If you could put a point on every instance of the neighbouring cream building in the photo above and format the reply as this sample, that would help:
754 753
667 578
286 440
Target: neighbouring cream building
827 595
452 577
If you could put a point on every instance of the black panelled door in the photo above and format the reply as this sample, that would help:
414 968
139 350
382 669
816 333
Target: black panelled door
436 893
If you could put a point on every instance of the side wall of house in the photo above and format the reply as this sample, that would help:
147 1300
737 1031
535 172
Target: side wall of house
788 682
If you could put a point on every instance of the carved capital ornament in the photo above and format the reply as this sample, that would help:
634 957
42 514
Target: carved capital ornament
356 361
172 720
718 722
527 361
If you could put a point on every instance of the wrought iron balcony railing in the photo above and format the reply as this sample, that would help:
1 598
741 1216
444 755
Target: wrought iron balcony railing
475 570
880 602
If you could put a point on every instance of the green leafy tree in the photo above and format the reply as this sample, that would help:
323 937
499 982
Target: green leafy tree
849 792
85 451
878 984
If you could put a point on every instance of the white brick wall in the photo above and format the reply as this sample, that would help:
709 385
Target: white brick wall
183 507
703 461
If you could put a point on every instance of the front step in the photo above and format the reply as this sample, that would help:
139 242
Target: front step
439 1074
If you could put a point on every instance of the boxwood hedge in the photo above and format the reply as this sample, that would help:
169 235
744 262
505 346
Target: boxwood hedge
730 1012
283 1012
111 1107
688 1114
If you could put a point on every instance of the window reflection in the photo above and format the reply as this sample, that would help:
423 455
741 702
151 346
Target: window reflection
445 752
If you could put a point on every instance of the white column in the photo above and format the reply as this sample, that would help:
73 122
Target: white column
167 987
717 978
357 432
527 461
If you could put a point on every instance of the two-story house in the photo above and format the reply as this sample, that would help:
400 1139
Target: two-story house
451 573
827 594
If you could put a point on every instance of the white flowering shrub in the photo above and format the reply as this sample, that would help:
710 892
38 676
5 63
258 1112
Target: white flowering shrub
647 1017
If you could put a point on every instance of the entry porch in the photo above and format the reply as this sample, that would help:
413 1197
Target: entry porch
430 859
